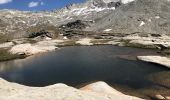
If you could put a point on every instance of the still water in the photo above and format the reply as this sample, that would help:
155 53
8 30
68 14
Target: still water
83 64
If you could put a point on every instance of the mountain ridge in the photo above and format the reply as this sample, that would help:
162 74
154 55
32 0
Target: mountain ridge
111 16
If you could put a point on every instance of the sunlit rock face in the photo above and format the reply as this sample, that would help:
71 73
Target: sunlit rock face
146 16
12 91
164 61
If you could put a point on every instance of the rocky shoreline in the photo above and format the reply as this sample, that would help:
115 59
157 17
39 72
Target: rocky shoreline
95 91
164 61
150 41
21 47
32 46
95 22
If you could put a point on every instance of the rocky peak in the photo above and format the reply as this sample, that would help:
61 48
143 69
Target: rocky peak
101 3
104 3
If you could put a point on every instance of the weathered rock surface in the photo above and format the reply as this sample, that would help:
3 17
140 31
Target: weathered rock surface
84 41
148 16
39 47
160 97
160 42
6 45
165 61
100 87
13 91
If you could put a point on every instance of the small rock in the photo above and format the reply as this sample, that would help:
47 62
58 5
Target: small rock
160 97
167 97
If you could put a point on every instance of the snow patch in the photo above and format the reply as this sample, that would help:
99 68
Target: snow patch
126 1
157 17
107 30
48 38
65 38
108 1
142 23
86 10
149 20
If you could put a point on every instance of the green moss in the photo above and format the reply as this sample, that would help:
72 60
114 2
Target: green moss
141 46
137 45
3 38
100 41
165 52
67 43
39 29
5 55
31 41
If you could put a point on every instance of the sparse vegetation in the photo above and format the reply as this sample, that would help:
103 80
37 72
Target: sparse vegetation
40 30
100 41
3 38
166 52
5 55
67 43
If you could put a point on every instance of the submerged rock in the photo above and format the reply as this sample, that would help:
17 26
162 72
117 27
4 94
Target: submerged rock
13 91
165 61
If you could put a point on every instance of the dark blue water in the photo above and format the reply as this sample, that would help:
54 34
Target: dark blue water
83 64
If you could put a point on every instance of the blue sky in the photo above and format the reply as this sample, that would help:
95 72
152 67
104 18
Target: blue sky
35 5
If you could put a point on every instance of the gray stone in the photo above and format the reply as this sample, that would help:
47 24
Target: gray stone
13 91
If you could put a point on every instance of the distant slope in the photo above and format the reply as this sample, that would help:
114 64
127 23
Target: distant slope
150 16
20 22
113 16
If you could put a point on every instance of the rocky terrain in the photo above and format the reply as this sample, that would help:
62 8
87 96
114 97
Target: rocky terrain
156 59
95 91
113 16
135 23
144 22
146 16
24 23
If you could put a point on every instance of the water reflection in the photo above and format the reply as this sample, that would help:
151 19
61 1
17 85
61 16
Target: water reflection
6 66
77 65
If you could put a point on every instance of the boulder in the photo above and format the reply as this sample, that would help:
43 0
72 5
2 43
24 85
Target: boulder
39 47
165 61
84 41
6 45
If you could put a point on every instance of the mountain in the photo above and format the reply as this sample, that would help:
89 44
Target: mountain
112 16
149 16
22 23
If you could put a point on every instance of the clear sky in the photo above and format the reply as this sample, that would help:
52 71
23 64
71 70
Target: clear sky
35 5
